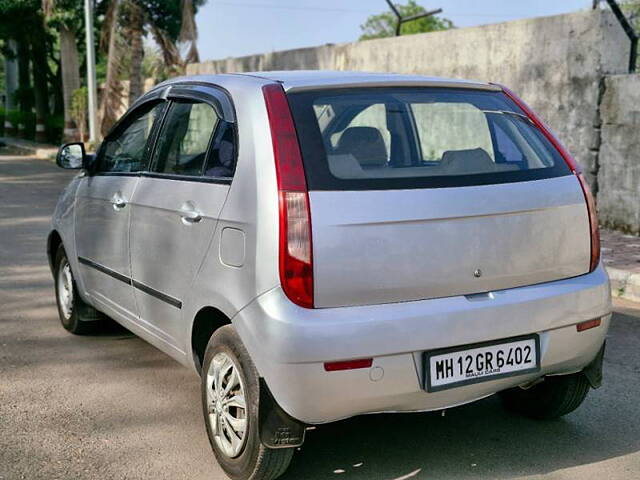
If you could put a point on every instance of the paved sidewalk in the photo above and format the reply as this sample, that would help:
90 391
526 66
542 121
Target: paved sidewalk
621 256
42 151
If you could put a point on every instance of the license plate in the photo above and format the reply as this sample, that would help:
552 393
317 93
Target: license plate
454 367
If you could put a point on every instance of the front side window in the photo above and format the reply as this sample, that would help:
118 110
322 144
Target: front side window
394 138
184 140
124 151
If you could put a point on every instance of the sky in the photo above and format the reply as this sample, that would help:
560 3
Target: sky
230 28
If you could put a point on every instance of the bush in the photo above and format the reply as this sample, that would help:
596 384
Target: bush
14 116
28 119
1 121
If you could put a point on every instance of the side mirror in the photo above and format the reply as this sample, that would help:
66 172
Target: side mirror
71 156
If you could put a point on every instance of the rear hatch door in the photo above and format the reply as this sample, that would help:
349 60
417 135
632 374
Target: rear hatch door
379 247
419 193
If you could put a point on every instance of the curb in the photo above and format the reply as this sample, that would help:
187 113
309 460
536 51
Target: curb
624 284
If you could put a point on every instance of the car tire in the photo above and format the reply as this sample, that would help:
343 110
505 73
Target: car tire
228 367
553 398
75 315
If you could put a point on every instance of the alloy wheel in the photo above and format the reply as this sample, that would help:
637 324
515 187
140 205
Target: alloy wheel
65 289
226 405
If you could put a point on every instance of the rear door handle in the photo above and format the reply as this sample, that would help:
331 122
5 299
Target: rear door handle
190 214
118 201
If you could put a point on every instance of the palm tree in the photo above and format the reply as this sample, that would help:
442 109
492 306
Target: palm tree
111 41
68 59
189 32
131 20
135 32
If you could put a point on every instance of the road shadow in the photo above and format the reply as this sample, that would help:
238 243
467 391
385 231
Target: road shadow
476 441
482 440
123 404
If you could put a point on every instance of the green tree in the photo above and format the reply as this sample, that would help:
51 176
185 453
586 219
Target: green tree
153 65
632 9
26 28
384 24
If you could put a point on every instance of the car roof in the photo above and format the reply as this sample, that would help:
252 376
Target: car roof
319 79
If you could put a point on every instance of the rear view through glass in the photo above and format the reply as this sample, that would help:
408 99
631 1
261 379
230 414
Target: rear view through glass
395 138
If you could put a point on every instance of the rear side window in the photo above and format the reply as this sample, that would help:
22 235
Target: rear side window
388 138
184 141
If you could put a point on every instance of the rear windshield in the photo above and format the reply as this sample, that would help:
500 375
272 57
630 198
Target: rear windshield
397 138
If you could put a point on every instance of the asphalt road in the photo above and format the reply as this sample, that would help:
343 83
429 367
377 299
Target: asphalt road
113 407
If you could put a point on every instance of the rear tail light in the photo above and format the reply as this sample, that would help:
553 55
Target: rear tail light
575 168
296 268
296 257
593 222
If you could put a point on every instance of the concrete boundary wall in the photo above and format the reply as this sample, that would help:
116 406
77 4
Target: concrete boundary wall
619 153
558 64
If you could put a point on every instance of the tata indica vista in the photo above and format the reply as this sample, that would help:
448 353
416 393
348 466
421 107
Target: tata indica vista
319 245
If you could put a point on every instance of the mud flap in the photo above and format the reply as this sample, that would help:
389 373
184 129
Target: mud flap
277 428
593 371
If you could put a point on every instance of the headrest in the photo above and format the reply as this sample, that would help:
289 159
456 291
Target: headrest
365 144
475 160
225 153
345 166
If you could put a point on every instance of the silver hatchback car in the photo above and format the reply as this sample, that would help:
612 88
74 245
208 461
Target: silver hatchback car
318 245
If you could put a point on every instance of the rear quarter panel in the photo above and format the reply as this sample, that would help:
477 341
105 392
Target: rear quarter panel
252 208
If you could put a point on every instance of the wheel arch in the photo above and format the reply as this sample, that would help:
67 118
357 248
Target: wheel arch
205 323
54 240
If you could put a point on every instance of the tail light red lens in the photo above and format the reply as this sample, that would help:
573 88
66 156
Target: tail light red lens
575 168
296 267
296 257
593 223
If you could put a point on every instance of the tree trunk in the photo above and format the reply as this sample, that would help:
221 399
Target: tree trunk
112 94
70 78
11 83
55 82
137 52
25 99
41 90
189 32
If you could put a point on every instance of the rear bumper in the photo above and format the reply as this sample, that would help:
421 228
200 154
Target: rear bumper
289 344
